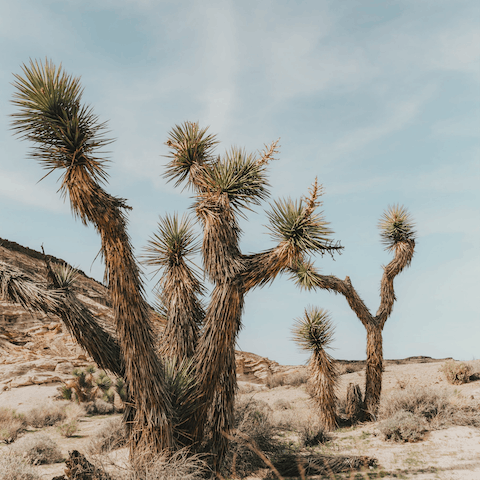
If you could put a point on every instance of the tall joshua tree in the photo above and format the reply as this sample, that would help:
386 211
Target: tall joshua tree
314 333
398 235
67 137
224 188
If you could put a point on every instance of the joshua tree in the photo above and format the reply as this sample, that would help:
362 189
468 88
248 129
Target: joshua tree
314 332
398 235
67 136
225 188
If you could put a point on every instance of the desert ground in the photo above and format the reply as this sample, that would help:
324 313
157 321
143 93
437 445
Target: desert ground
449 453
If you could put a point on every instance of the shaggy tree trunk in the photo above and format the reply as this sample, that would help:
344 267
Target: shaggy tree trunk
374 368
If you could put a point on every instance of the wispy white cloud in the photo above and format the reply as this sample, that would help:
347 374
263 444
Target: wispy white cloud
23 190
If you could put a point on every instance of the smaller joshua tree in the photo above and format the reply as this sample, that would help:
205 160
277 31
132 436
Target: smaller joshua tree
314 332
398 235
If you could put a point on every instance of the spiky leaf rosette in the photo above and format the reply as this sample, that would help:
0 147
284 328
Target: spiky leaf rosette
241 176
296 225
174 241
191 148
314 331
396 226
65 276
66 133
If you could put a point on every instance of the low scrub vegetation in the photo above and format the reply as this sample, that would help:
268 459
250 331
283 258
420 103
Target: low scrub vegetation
13 467
404 426
11 425
110 437
457 373
38 449
46 416
409 413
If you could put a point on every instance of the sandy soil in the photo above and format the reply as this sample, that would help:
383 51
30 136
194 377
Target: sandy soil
448 454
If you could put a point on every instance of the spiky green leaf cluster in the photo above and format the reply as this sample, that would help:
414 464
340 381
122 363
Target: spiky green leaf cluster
304 275
65 132
293 223
396 226
189 145
174 241
314 331
240 176
181 384
65 276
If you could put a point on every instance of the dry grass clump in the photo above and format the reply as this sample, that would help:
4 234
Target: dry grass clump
11 425
296 379
110 437
38 449
14 468
68 429
276 380
407 414
312 434
457 373
344 368
404 426
181 465
254 432
46 416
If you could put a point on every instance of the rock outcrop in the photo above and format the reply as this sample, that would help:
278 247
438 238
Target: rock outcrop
36 349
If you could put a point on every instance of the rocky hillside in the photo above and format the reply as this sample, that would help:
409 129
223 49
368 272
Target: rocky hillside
37 349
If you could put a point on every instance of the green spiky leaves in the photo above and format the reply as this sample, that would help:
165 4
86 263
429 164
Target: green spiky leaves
396 226
314 331
240 176
66 134
296 224
173 242
190 147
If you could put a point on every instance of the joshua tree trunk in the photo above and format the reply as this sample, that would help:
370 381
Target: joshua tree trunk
374 368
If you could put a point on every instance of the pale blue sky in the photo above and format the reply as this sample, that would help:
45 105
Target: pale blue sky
379 99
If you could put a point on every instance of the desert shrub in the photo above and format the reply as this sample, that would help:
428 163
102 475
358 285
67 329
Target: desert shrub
110 437
312 434
296 379
13 467
101 407
10 429
276 380
45 416
419 400
181 465
253 431
404 426
344 368
38 449
11 425
439 407
457 373
68 429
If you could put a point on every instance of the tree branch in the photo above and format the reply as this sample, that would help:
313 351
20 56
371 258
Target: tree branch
403 257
